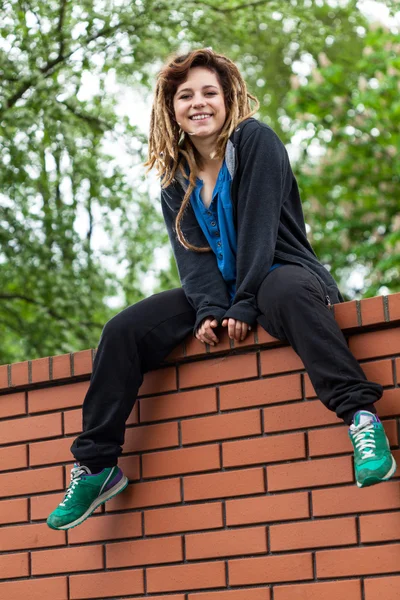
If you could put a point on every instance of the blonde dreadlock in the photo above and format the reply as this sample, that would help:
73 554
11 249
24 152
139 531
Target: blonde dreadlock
169 147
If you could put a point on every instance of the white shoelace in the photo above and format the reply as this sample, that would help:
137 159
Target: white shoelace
365 440
76 474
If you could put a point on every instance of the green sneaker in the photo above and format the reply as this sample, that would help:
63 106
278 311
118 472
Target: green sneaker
373 461
85 493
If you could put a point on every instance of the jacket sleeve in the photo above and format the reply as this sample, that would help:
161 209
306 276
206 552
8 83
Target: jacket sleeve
264 183
200 277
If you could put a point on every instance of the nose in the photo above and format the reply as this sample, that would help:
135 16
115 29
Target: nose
198 101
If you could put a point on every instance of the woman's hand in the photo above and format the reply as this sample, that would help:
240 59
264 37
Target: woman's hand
205 332
237 330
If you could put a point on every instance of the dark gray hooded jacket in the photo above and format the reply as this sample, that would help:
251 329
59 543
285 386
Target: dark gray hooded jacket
269 223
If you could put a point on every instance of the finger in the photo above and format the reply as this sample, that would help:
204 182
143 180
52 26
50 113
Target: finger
224 322
238 331
244 331
214 323
210 335
231 328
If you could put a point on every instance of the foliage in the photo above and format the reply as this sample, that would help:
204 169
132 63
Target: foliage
352 110
71 161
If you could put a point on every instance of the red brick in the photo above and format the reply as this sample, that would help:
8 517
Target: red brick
298 415
263 337
260 391
82 362
14 565
169 597
313 534
106 527
73 421
130 465
224 485
19 373
63 560
50 452
176 354
251 594
151 437
40 370
335 440
235 542
308 387
264 450
133 418
183 518
144 552
397 363
102 585
350 499
32 481
323 471
43 505
49 588
156 382
59 396
12 405
3 377
219 427
13 511
394 306
264 509
23 537
379 371
358 561
150 493
30 428
372 311
217 370
375 343
13 457
186 577
175 406
346 314
280 360
380 528
389 404
179 462
193 347
350 589
387 588
270 569
61 366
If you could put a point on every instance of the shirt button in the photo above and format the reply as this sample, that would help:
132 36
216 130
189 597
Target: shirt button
213 223
219 244
220 255
209 212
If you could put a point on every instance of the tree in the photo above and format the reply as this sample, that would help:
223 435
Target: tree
352 111
62 178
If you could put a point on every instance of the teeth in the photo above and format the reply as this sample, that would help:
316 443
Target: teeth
199 117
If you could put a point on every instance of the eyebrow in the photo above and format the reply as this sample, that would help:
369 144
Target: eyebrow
204 87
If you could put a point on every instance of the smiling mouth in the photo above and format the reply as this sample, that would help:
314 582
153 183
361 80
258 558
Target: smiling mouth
200 118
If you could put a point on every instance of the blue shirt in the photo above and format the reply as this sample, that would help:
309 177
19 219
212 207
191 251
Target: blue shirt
217 224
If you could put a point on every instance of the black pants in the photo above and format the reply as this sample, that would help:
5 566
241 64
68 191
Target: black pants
136 340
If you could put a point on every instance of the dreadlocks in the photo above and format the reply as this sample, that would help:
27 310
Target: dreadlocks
169 147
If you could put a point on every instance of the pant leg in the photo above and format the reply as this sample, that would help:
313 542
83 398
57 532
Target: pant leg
133 342
292 302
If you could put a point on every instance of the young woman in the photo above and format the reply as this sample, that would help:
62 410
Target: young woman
234 217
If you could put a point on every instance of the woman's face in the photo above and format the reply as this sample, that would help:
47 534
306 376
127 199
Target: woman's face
202 95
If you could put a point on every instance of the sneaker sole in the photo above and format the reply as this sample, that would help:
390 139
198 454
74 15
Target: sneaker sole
121 485
373 480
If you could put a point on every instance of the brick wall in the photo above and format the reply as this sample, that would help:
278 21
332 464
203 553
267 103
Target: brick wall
242 485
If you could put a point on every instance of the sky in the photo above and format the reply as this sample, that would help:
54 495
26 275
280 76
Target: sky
140 117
